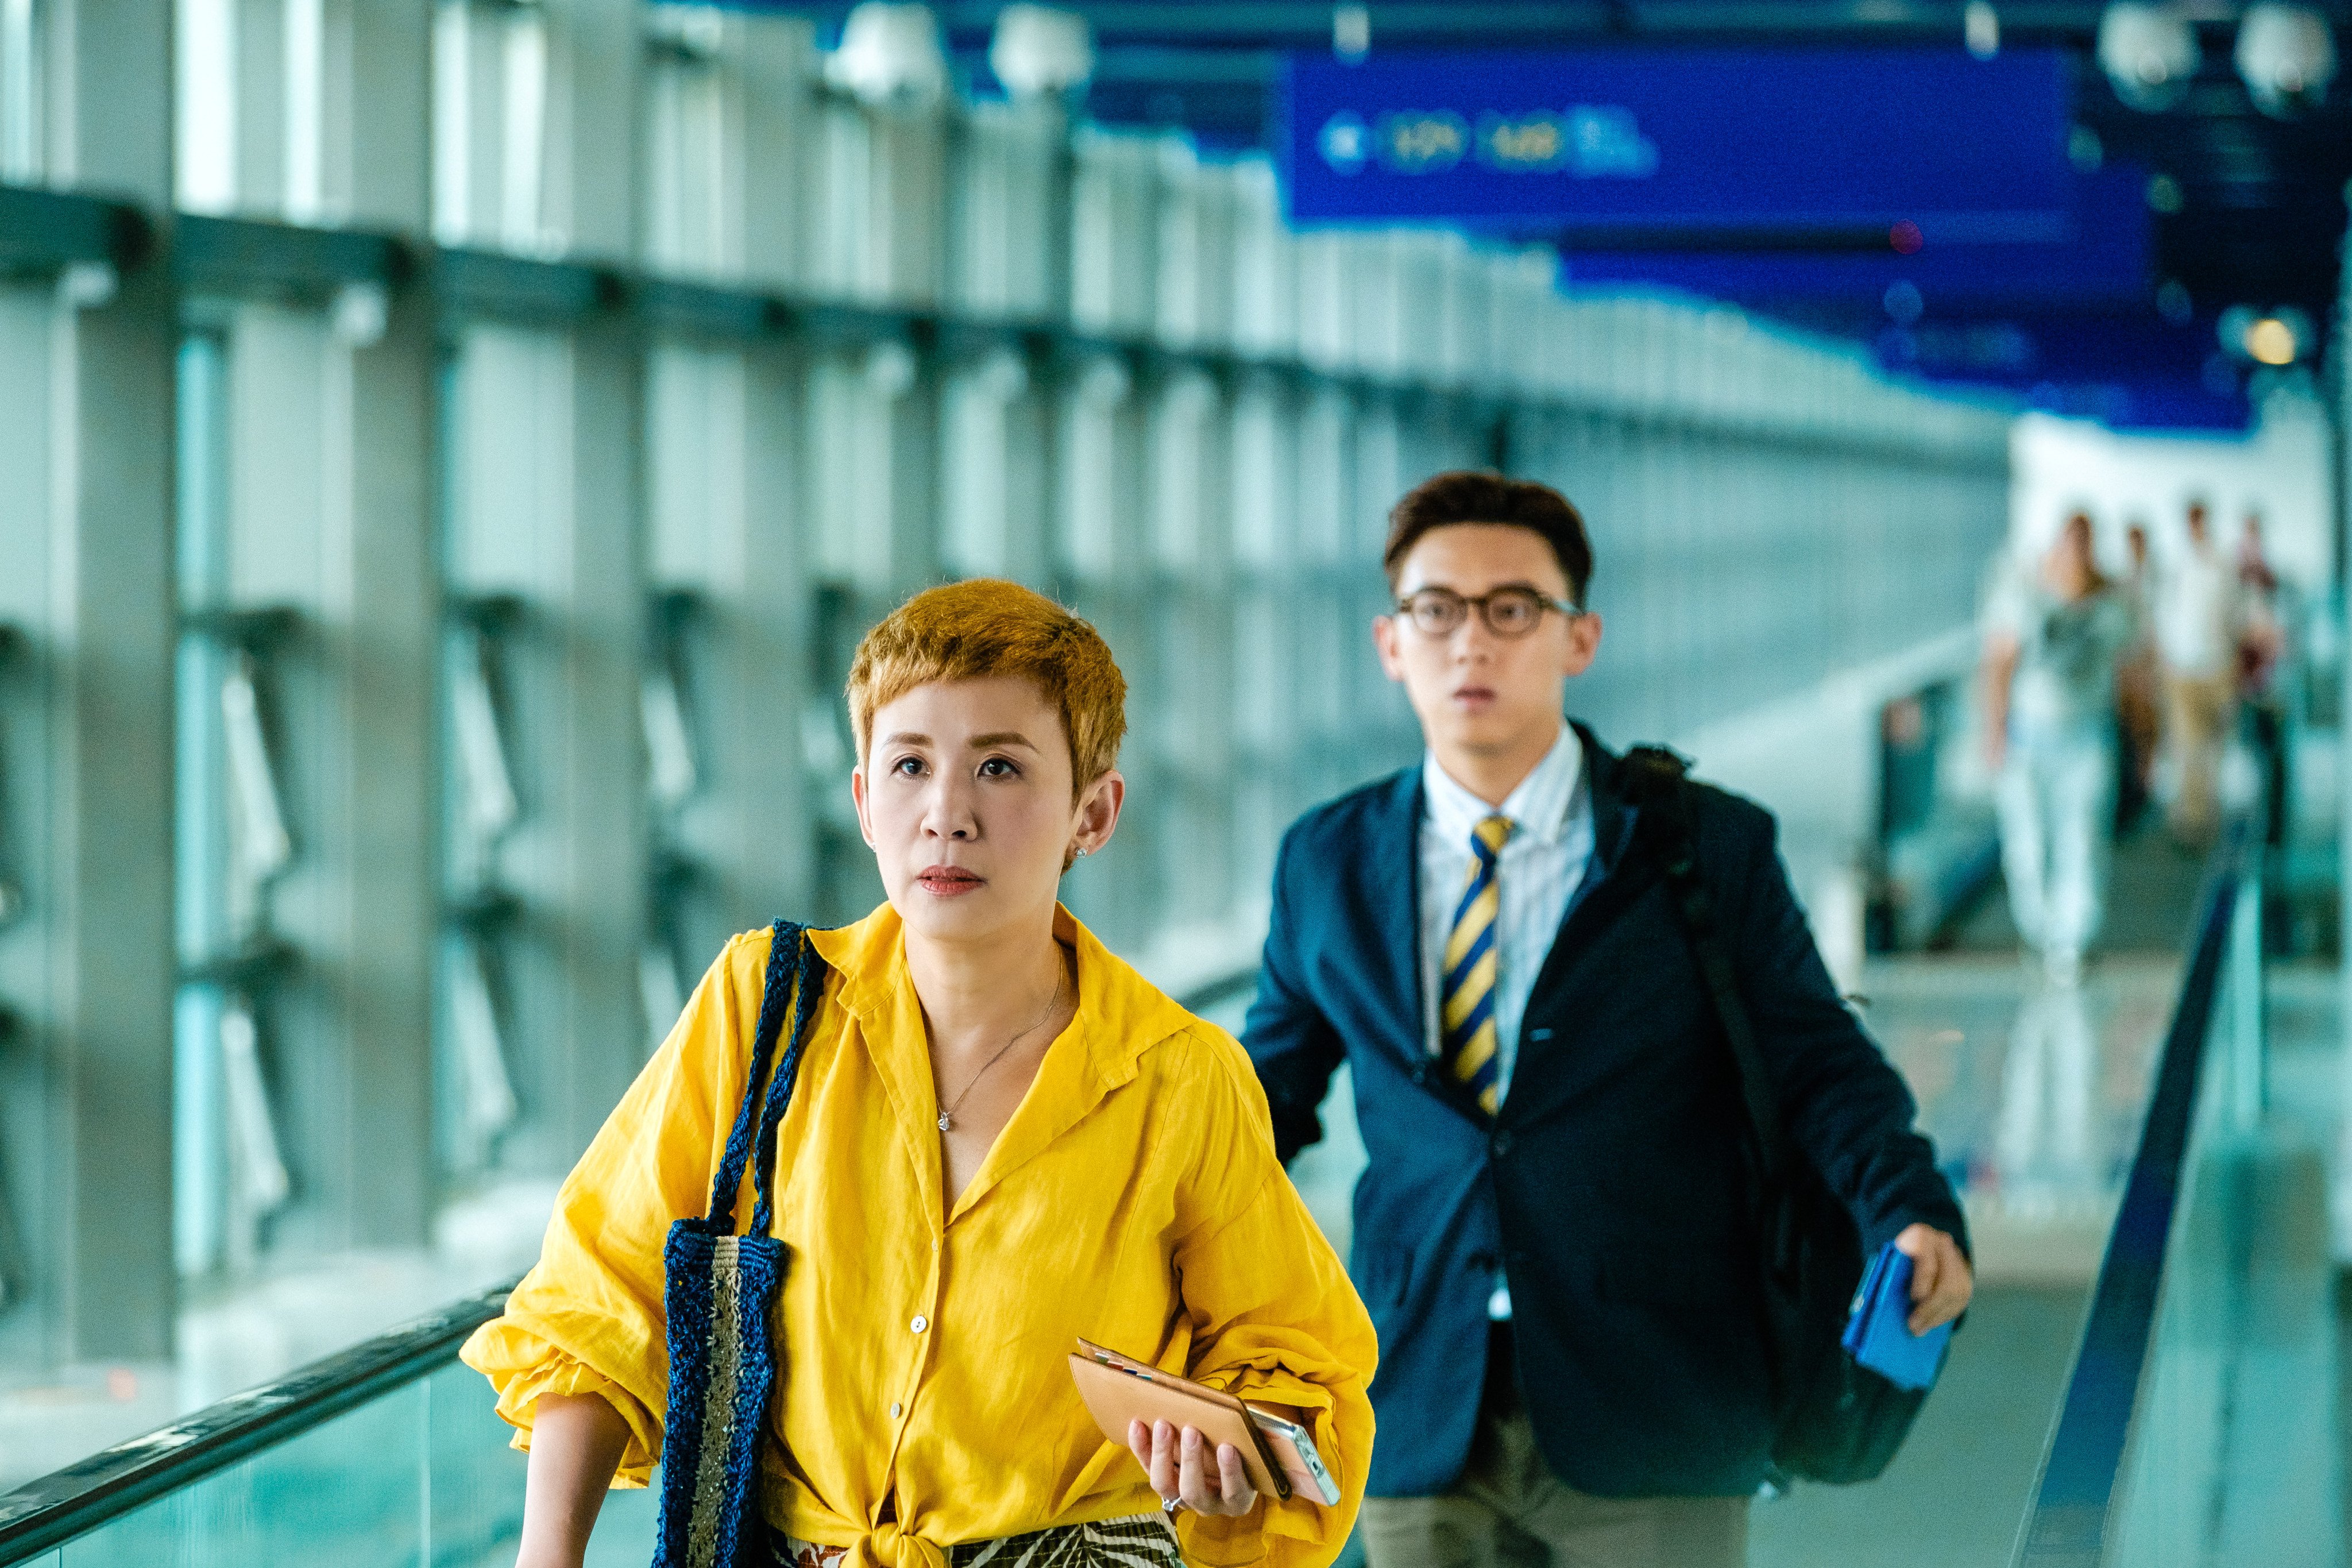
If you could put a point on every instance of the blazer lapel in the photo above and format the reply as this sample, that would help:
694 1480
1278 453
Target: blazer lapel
1615 877
1396 842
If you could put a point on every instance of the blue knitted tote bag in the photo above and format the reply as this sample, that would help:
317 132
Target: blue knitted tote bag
719 1291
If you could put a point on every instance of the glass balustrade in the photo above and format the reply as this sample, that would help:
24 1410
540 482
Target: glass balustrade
420 1476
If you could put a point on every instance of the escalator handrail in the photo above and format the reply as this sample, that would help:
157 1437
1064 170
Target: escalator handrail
113 1482
2066 1525
73 1501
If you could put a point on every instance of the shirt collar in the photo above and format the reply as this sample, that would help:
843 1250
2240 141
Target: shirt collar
1539 808
1120 1015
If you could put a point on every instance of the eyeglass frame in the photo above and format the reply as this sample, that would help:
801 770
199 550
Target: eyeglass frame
1402 609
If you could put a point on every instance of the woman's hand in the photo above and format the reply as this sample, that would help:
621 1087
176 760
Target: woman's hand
1181 1468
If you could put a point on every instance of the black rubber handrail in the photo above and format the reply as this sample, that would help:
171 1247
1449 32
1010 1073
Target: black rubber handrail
80 1498
2073 1498
108 1484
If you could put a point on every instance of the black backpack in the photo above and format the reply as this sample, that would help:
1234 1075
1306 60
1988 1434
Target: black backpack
1839 1422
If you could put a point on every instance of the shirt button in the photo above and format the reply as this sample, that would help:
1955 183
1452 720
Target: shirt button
896 1411
921 1323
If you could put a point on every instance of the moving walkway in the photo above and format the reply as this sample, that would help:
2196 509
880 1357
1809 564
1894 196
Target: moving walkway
2195 1420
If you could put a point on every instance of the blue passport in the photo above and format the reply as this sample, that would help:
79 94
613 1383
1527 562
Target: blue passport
1878 1334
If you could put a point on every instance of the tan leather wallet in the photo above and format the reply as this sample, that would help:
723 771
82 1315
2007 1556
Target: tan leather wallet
1119 1390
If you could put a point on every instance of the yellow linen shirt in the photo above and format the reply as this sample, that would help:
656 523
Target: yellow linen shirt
1133 1198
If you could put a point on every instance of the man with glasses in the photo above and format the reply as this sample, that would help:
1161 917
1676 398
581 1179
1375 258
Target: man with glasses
1553 1232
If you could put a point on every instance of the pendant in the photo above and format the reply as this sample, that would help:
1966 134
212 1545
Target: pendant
943 1121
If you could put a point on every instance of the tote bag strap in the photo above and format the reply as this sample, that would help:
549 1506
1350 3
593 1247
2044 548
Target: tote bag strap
788 952
808 985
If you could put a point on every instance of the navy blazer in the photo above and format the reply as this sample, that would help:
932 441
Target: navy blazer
1611 1187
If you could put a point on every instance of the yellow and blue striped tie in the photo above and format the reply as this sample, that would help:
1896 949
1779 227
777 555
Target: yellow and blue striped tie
1466 1014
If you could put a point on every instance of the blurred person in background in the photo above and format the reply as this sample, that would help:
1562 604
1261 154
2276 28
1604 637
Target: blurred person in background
2262 644
2139 688
2196 630
2254 572
2054 632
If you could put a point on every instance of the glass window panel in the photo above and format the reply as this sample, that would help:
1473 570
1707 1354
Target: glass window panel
625 1529
200 837
351 1492
475 1486
205 149
20 92
474 1481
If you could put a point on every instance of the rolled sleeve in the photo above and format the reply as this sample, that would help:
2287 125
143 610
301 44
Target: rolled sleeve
522 1366
589 1317
1275 1319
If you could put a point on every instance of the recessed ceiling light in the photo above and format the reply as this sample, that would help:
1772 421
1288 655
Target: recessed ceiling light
2270 341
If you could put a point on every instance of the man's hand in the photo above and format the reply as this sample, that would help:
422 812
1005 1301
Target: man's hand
1181 1467
1941 1282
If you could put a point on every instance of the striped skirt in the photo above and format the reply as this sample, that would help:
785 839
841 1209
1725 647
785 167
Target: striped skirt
1139 1541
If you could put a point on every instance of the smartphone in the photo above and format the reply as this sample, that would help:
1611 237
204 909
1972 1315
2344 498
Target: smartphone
1295 1451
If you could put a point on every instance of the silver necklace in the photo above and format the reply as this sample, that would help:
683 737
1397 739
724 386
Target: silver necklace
947 1117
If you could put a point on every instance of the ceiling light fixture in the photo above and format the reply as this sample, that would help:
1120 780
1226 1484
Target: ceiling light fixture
1039 52
2287 56
2276 338
1980 27
2270 341
2150 53
1351 32
890 53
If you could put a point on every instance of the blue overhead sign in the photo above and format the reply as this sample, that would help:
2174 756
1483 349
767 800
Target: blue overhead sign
2130 371
1702 140
2106 262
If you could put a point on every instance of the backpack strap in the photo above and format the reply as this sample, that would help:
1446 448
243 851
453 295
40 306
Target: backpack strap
1659 779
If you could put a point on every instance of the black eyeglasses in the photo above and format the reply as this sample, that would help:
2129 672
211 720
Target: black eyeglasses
1509 611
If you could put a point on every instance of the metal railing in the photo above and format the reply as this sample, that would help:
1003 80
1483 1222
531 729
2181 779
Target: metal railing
2074 1517
112 1483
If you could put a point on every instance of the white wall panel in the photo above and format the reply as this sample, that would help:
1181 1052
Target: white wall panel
881 229
1115 233
1010 201
724 527
88 398
1265 264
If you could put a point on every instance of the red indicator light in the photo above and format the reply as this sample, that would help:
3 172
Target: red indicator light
1906 239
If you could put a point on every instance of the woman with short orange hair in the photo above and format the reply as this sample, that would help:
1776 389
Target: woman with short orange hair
1001 1139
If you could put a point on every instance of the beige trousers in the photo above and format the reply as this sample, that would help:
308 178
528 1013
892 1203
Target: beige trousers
2197 719
1508 1501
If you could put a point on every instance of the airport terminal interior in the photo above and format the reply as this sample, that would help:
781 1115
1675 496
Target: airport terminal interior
450 450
